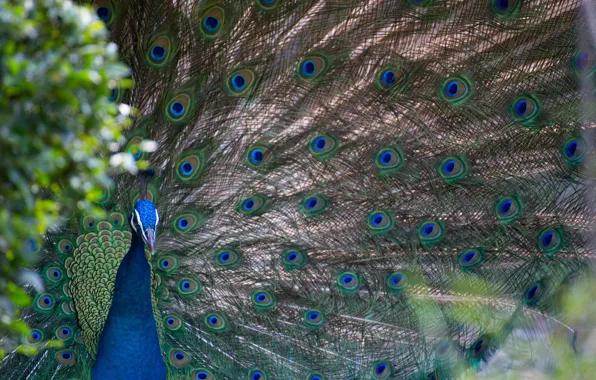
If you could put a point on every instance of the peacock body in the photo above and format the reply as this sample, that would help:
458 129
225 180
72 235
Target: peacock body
343 189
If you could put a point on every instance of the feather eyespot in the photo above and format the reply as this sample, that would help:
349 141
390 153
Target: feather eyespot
66 357
573 150
508 209
397 282
172 322
202 374
186 222
44 302
389 159
227 258
117 219
584 62
104 11
445 350
479 347
179 358
89 223
188 286
390 78
430 232
254 206
349 282
533 294
259 157
241 82
421 3
32 245
525 110
550 241
314 205
160 51
64 333
505 8
212 22
382 370
257 374
314 318
453 168
293 259
380 221
35 336
456 90
315 376
322 146
168 264
470 259
179 107
190 165
134 148
263 300
311 67
216 322
269 4
54 274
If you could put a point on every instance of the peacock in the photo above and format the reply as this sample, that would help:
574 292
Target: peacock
341 189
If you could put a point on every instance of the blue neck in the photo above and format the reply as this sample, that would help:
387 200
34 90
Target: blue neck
129 345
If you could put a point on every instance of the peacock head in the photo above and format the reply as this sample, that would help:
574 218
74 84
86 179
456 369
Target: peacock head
144 221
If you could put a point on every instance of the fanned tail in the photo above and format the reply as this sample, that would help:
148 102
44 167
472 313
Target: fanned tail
358 189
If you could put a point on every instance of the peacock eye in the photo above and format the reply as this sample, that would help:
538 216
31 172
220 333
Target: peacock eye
573 150
293 259
241 82
263 300
314 318
430 232
397 282
382 370
202 374
456 90
35 336
525 110
550 241
66 357
322 146
533 294
257 374
159 52
380 221
179 358
216 322
213 21
444 350
314 205
104 11
312 67
584 62
178 107
269 4
508 209
470 258
389 159
254 206
453 168
479 346
349 282
316 376
505 8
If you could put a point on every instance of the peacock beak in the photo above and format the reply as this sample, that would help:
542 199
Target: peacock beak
150 234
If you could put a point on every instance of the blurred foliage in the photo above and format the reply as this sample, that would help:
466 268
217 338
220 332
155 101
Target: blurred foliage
57 69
